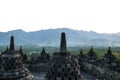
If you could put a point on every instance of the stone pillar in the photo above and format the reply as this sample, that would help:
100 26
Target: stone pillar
43 50
109 52
12 43
21 51
63 46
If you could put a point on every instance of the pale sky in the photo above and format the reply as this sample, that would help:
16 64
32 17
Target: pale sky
102 16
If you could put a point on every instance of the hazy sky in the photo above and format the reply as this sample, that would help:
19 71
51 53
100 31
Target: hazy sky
102 16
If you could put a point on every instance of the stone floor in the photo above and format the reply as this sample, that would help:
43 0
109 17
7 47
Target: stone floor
41 76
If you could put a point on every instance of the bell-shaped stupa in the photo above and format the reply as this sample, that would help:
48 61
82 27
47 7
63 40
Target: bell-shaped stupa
11 66
63 66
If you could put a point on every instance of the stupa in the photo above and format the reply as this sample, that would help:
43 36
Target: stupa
92 57
63 66
11 65
44 57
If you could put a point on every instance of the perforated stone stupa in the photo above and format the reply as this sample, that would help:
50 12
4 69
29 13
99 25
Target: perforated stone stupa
11 66
63 66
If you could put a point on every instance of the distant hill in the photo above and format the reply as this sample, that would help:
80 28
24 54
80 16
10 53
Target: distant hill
51 37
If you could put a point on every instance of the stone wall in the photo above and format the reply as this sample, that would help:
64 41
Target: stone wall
101 72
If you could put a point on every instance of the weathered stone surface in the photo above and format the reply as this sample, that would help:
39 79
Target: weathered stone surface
63 66
11 66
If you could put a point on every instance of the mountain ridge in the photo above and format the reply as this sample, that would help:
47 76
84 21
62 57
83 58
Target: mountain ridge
51 37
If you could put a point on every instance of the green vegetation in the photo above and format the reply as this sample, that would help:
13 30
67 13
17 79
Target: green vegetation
34 52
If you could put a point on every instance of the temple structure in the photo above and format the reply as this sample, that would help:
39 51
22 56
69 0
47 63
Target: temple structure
44 57
110 61
82 58
91 55
11 65
63 66
24 56
109 57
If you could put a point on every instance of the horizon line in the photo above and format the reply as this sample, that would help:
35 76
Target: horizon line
60 28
